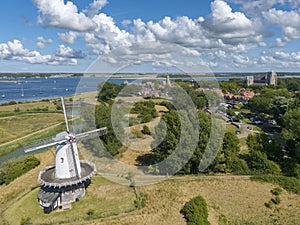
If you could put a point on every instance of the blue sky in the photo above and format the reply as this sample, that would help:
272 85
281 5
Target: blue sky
224 36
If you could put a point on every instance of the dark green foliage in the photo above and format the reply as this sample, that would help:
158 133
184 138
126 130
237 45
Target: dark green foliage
170 124
240 167
288 183
269 101
262 150
195 211
167 104
228 155
269 204
104 119
276 191
259 163
14 169
108 91
146 111
291 132
232 86
276 200
146 130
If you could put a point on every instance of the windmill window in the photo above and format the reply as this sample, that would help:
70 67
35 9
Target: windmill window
61 160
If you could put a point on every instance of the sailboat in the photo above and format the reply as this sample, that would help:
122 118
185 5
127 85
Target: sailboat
3 95
22 94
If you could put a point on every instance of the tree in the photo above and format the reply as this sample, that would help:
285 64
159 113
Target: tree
259 163
291 135
146 130
279 106
195 211
108 91
228 154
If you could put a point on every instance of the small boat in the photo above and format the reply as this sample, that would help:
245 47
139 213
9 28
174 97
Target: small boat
22 94
3 95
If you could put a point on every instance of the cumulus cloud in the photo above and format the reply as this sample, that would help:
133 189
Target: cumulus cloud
258 6
56 13
280 59
14 50
41 42
126 23
288 21
67 52
69 37
221 38
233 27
94 8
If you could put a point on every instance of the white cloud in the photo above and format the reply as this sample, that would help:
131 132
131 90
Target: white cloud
94 8
258 6
222 38
56 13
69 37
67 52
126 23
233 27
288 21
281 60
14 50
41 41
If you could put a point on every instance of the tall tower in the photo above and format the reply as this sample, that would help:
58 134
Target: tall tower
250 80
272 78
168 81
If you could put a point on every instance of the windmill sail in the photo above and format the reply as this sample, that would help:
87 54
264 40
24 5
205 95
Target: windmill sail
43 145
65 114
102 131
65 181
67 163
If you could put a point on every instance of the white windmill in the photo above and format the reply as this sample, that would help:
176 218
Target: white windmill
65 181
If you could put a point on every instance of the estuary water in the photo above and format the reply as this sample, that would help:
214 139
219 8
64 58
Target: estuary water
30 89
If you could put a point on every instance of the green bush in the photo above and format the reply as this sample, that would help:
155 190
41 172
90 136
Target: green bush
14 169
276 200
146 111
269 204
196 212
276 191
288 183
146 130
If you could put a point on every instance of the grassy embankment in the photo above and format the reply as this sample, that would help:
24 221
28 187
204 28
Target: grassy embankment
28 125
235 199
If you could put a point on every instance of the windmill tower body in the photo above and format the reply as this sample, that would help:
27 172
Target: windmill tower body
67 164
65 181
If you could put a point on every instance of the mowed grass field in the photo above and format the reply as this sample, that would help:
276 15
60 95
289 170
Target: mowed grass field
14 127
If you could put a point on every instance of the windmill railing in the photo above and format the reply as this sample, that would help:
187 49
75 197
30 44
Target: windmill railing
45 180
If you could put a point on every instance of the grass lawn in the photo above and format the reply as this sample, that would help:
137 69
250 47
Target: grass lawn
103 199
28 106
15 127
